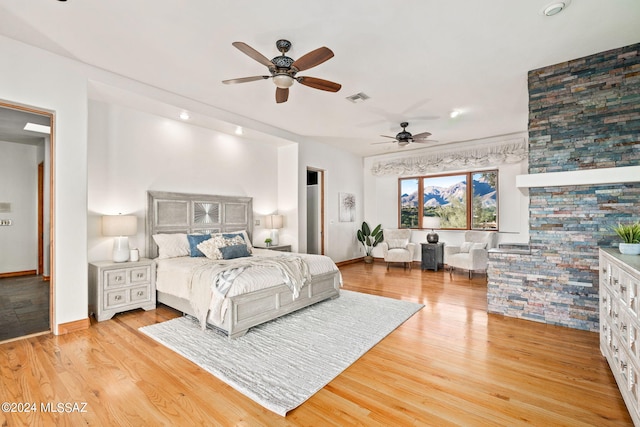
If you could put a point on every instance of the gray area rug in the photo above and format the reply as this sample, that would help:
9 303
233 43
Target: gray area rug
282 363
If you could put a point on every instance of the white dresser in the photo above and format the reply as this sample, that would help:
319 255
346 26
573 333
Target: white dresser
620 323
120 286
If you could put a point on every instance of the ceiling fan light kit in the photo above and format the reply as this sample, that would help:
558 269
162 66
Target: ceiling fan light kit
283 69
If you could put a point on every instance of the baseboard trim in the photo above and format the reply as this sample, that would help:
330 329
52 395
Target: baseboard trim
349 261
77 325
18 274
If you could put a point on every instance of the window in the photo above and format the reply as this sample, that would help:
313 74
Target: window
459 205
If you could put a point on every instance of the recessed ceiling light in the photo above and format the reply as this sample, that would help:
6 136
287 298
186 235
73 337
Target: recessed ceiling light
555 7
184 115
239 130
37 128
454 114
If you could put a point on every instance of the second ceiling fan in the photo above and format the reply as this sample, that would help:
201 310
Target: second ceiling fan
404 138
283 69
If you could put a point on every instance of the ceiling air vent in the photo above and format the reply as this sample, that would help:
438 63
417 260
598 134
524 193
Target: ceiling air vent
358 97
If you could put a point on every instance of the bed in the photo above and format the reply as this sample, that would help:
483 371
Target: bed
259 293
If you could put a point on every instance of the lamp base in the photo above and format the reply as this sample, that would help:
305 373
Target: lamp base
274 237
432 237
121 249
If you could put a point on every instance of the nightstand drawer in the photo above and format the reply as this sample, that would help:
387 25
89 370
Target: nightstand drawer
139 275
141 293
115 298
113 278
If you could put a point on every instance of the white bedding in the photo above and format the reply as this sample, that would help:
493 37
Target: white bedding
173 276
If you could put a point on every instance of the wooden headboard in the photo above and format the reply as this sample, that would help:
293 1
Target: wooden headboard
195 213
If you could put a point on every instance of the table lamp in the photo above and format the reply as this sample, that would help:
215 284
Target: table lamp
120 227
274 222
431 222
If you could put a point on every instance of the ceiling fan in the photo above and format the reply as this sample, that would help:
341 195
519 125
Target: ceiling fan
283 69
405 138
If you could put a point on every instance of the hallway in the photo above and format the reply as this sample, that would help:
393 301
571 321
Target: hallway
24 306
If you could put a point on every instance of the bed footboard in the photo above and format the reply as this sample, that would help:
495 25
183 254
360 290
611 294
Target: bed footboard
255 308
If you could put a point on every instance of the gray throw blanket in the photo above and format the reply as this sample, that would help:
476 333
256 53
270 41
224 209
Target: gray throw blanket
219 278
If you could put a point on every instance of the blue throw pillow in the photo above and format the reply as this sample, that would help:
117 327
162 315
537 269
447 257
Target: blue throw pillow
194 241
234 251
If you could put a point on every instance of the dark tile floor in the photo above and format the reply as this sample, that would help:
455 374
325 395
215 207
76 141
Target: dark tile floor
24 306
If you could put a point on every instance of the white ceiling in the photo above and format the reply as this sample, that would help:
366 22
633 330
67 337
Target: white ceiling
417 59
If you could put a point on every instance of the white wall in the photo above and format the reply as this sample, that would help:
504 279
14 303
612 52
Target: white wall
32 77
343 174
131 152
381 194
19 187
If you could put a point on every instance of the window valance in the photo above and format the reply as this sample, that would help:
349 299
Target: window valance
510 151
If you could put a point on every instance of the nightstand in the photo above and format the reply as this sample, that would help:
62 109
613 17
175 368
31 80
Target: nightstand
120 286
432 256
281 248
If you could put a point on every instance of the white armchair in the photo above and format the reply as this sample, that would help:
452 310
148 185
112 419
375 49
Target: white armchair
473 254
397 246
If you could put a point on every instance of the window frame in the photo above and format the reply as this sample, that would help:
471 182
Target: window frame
468 201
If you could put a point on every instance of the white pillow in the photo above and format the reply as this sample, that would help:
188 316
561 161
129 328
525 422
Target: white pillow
172 245
467 246
397 243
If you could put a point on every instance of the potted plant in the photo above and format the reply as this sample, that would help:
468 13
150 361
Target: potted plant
369 239
268 241
630 235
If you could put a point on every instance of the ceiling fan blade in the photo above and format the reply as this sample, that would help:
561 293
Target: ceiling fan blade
313 58
422 141
423 135
282 95
251 52
244 79
387 136
319 84
383 142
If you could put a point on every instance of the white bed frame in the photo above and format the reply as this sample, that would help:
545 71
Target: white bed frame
197 213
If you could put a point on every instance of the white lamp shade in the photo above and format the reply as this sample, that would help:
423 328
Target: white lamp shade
431 222
273 221
119 225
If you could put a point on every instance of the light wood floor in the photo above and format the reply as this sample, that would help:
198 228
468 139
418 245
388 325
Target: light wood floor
450 364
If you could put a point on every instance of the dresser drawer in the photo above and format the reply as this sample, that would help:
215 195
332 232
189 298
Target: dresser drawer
139 275
115 298
140 293
114 278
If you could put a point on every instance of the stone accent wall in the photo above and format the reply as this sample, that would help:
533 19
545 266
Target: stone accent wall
583 114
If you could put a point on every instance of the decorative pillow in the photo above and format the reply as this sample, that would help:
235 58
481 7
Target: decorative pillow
194 241
478 246
171 245
465 247
397 243
244 235
234 251
211 247
468 246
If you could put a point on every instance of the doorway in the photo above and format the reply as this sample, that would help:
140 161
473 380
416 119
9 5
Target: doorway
26 210
315 211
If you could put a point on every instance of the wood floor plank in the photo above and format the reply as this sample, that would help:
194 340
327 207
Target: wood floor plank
450 364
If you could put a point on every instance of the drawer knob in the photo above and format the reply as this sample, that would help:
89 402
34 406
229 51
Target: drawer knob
140 293
118 278
140 275
118 297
